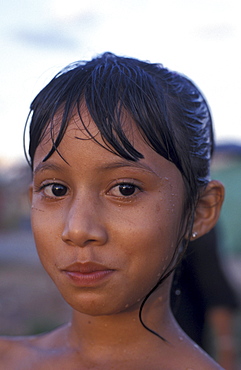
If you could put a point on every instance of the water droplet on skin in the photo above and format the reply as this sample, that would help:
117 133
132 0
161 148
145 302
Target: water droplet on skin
158 275
157 208
127 305
181 339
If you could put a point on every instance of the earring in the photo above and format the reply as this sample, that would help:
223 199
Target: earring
194 234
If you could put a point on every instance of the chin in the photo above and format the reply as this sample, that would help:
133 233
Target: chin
106 308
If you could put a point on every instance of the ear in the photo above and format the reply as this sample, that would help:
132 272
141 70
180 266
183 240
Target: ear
208 209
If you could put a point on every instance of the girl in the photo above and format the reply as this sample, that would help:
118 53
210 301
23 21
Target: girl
120 151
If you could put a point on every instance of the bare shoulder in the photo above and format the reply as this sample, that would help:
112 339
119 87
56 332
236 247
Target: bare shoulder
191 356
20 352
201 360
9 344
11 351
6 345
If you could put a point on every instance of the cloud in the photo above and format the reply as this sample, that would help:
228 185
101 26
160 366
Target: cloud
47 38
216 31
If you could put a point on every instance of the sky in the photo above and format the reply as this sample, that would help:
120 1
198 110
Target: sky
200 38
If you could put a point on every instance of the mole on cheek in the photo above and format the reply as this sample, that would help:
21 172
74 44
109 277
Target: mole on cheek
37 209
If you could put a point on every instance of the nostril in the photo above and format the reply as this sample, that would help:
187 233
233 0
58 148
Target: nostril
83 224
89 241
84 233
66 239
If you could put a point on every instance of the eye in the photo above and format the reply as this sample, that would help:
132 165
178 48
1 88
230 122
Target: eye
54 190
124 190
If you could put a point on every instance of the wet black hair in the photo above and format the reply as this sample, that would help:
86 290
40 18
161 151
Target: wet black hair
168 109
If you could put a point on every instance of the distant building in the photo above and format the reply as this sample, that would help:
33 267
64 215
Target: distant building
14 203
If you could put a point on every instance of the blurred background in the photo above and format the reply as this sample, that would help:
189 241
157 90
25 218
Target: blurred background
200 38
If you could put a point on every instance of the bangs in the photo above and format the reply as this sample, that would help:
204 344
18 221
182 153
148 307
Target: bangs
110 91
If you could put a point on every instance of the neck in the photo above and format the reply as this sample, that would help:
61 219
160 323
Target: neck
123 328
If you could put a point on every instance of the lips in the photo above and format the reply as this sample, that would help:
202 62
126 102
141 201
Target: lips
88 273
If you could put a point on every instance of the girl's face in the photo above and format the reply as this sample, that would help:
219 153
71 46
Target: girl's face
105 227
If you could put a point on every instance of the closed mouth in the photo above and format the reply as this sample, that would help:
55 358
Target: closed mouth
89 273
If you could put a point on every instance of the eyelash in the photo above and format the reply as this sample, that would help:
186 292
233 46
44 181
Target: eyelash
45 187
128 186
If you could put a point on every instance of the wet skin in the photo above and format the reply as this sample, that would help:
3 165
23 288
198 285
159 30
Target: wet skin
103 224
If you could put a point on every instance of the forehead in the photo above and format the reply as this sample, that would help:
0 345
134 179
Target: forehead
80 125
82 143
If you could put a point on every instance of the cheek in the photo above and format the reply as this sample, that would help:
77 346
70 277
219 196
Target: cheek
162 225
45 231
163 219
150 239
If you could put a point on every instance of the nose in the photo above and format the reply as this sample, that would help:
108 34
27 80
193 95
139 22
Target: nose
83 224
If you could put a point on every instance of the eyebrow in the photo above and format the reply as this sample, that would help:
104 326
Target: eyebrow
130 164
46 166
